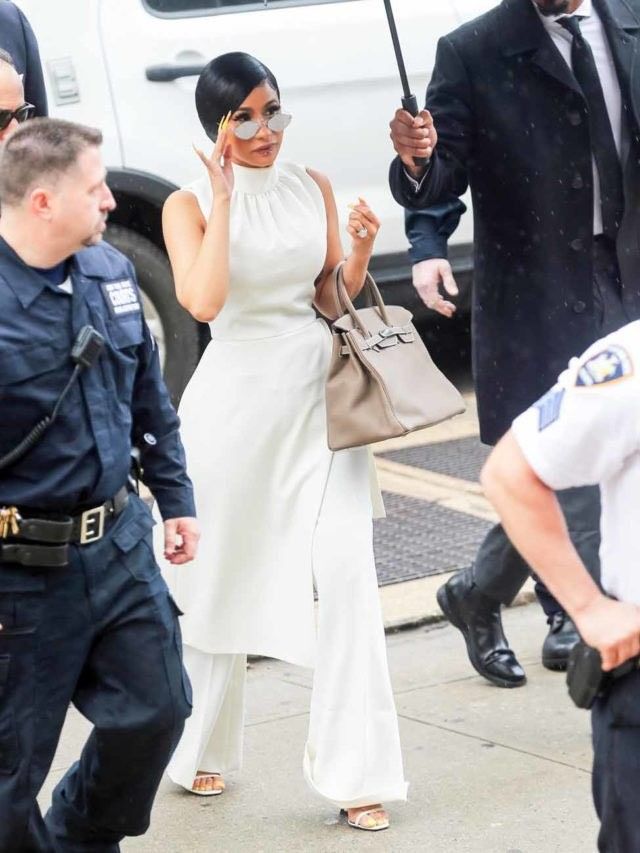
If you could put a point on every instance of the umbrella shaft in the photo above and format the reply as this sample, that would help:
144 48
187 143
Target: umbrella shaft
397 49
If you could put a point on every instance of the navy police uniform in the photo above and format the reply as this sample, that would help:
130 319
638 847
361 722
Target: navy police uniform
586 431
101 631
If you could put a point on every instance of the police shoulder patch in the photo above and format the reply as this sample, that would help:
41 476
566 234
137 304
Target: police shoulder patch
121 297
549 408
610 365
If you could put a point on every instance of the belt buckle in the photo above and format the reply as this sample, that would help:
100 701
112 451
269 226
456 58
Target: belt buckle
92 525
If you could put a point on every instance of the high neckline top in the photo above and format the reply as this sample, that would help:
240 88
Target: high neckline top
277 249
254 181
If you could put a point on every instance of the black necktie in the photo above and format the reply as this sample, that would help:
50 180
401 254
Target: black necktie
602 141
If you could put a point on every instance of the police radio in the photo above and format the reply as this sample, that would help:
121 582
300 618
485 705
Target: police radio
586 680
85 351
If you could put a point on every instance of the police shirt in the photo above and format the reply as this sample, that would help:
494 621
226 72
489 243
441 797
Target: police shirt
586 431
84 458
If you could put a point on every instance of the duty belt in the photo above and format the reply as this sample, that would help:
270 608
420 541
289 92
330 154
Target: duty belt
30 538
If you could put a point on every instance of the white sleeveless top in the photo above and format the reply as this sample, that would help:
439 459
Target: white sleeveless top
254 431
278 244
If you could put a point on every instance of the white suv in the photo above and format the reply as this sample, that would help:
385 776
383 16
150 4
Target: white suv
130 68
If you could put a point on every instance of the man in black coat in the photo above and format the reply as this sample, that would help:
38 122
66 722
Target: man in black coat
536 105
17 38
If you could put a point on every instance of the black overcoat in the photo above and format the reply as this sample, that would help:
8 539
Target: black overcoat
17 38
514 125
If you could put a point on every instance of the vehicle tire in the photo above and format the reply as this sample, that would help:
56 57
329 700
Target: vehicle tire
176 332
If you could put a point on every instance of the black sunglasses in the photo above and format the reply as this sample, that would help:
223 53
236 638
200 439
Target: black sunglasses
21 114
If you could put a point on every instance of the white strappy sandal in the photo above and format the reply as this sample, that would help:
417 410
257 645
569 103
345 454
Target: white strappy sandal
214 791
366 821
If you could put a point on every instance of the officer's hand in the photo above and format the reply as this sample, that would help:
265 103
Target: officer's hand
181 537
427 276
413 137
612 627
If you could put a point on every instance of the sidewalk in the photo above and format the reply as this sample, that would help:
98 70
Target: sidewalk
437 516
491 770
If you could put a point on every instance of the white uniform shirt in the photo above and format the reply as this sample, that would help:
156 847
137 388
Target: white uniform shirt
586 431
593 32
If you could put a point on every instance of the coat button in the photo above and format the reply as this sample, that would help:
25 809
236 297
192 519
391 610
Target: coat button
574 118
579 307
576 182
577 245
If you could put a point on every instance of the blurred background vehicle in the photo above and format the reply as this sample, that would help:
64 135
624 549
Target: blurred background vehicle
130 67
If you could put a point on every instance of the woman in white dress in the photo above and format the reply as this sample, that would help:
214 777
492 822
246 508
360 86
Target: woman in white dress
252 246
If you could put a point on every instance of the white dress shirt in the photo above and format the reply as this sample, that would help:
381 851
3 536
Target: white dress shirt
593 32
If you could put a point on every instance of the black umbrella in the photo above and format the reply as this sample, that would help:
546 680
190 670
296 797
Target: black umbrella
409 100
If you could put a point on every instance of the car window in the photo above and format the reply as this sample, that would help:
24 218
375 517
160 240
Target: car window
191 7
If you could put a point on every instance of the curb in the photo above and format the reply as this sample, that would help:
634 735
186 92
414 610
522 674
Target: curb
413 604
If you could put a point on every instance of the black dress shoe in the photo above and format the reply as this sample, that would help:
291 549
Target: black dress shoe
561 638
478 618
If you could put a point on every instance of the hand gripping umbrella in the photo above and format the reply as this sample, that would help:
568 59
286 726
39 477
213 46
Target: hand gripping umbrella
409 100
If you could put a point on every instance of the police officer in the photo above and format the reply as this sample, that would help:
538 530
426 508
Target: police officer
586 430
18 39
85 616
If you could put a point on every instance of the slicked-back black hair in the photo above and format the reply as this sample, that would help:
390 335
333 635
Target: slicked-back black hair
224 84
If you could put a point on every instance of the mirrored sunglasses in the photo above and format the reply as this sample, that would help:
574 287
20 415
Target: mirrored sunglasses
21 114
248 129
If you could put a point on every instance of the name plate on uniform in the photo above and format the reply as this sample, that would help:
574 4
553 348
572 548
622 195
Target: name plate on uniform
121 297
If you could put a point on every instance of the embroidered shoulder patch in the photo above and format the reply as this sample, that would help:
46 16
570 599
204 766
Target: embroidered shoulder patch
610 365
121 297
549 408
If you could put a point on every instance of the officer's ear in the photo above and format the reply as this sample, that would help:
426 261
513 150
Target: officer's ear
40 203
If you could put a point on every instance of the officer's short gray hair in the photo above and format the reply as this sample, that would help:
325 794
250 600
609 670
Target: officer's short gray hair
6 57
43 148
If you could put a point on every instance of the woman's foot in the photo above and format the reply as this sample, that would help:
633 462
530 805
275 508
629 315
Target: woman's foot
369 818
207 784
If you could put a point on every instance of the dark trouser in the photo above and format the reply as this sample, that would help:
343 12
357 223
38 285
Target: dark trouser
499 570
615 721
102 633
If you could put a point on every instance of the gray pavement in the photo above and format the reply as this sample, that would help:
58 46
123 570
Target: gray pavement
491 771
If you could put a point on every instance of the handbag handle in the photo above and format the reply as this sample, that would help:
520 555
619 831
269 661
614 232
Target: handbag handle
343 304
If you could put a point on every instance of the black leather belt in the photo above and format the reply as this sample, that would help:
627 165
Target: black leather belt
55 533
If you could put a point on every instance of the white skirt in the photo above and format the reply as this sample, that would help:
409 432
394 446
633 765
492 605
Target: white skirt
254 429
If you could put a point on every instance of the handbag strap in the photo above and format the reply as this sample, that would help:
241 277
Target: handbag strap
343 304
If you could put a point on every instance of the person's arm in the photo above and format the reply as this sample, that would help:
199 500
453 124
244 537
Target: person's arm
355 268
582 432
534 522
450 103
428 231
34 88
199 249
156 433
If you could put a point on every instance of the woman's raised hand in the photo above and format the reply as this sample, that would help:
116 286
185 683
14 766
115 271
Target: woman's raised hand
363 226
219 165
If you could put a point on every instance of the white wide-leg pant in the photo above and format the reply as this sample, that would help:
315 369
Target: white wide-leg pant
352 755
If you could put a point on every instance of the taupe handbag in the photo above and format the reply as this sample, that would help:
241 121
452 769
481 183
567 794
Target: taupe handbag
382 382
